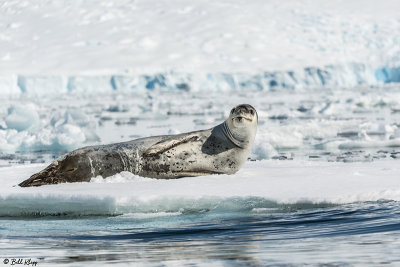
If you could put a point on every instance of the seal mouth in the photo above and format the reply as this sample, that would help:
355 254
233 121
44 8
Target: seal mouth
240 118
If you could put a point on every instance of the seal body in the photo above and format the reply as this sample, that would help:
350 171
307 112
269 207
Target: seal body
219 150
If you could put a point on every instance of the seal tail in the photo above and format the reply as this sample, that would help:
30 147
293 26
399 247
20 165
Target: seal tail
46 176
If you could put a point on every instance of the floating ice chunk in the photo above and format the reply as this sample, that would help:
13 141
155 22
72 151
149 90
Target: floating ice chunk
284 138
364 136
64 137
66 129
90 135
69 135
46 137
74 116
22 117
262 150
371 130
70 116
77 118
5 143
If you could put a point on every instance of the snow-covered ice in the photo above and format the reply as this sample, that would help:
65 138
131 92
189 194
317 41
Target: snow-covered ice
262 184
323 77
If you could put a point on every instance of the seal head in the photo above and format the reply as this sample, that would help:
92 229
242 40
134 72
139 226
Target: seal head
241 126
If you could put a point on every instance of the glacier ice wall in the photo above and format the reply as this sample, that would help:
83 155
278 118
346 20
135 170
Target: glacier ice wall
329 76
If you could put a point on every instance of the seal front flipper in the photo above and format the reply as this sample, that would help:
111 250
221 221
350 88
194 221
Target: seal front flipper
169 143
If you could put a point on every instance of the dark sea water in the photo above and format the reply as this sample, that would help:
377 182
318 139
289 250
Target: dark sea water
316 235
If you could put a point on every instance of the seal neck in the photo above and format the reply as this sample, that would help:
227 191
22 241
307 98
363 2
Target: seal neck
242 143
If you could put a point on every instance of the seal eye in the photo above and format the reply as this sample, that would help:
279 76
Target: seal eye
251 112
233 110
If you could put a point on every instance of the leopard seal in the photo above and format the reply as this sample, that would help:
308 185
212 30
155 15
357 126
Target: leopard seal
222 149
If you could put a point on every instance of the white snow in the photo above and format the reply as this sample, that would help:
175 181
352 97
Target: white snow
262 184
51 47
74 37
